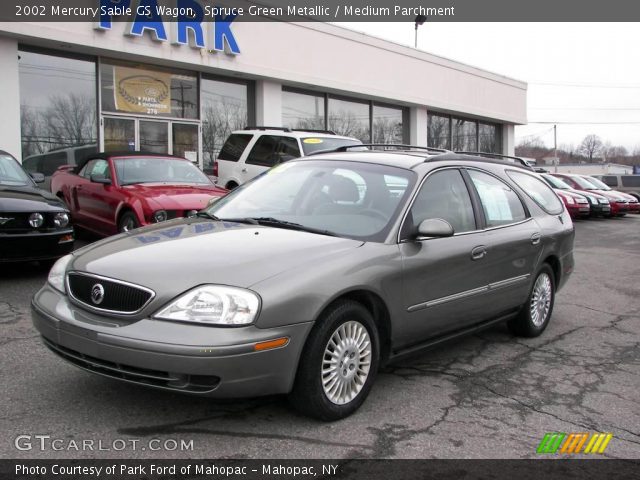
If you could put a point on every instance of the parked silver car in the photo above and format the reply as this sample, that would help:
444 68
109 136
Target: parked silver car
308 278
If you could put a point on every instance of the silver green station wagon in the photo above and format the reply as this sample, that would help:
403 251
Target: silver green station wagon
307 279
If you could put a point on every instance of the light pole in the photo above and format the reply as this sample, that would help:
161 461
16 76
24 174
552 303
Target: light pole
420 19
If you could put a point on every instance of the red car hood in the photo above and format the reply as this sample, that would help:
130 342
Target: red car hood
570 193
176 197
609 194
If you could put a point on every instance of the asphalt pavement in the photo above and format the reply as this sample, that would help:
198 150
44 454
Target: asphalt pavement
490 395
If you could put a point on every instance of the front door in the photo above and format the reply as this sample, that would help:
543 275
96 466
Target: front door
444 285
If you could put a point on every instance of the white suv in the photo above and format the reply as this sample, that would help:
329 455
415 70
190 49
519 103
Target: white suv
249 152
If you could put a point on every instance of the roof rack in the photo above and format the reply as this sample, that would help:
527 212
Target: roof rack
311 130
383 146
261 127
498 156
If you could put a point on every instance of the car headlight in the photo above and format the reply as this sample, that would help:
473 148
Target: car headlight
570 200
36 220
57 273
604 201
213 305
160 216
61 220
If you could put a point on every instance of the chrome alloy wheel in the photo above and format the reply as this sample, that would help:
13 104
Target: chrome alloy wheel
346 362
541 299
129 225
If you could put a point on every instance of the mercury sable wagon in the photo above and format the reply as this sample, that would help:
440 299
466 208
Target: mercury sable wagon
307 279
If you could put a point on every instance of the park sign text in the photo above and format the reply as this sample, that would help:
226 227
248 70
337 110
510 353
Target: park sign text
187 25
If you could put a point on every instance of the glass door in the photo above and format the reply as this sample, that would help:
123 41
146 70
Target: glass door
119 134
185 140
153 136
158 136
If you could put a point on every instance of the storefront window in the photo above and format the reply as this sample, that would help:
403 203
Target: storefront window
57 105
488 138
303 111
148 91
439 131
387 124
350 119
224 109
464 135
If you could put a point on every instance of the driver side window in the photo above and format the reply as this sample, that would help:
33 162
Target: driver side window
444 195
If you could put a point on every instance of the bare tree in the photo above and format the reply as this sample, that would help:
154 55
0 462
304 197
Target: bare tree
71 120
220 118
590 146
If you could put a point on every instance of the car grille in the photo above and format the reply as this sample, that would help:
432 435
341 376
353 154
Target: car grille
118 297
19 222
155 378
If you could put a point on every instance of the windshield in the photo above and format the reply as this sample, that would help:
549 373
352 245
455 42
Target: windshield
348 199
11 173
158 170
600 185
315 144
584 183
555 182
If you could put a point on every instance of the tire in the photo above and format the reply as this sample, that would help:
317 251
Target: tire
536 312
344 330
128 221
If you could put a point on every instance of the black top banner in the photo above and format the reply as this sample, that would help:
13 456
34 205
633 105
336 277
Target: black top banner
319 10
319 469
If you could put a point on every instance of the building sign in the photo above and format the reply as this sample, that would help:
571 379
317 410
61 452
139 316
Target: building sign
141 91
189 22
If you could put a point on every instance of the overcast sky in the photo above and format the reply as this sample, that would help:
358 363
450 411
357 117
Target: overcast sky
577 72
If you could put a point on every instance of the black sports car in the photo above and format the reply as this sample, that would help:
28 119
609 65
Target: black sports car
34 224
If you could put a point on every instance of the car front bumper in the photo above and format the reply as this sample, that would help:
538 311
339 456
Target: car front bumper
35 246
600 209
190 358
579 210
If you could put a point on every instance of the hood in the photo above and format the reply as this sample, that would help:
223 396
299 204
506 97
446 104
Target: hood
176 197
178 255
608 194
571 194
28 199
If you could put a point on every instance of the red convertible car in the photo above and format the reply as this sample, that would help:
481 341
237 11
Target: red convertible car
116 192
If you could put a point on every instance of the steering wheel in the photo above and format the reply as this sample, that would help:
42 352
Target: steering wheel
370 212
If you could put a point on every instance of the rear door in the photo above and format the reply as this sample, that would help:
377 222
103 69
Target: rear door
513 241
268 151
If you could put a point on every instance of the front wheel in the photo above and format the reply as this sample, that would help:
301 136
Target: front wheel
536 313
128 221
339 363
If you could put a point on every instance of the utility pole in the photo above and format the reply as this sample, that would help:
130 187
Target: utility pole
555 148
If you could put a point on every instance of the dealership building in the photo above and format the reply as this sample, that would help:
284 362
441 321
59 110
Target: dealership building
182 89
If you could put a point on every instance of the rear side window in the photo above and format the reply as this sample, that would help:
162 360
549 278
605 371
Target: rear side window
500 203
538 191
234 146
630 181
264 151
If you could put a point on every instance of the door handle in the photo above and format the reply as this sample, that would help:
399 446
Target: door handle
535 238
479 252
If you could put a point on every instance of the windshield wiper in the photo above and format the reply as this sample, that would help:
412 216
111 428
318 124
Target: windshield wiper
205 214
274 222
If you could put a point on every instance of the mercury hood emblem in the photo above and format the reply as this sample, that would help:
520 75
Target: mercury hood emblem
97 294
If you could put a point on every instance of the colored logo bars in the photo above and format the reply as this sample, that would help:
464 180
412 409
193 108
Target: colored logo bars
557 442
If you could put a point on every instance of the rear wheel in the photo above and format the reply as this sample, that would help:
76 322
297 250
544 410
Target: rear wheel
339 363
128 221
536 313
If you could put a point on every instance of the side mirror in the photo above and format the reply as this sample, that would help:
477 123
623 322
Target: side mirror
99 178
37 177
435 227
